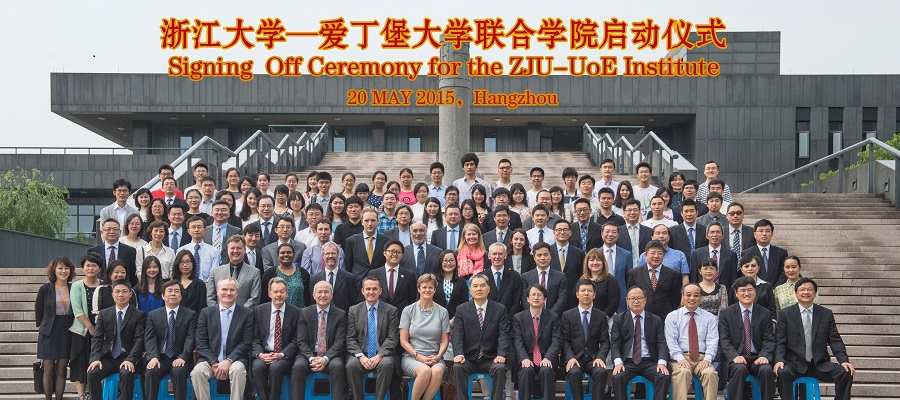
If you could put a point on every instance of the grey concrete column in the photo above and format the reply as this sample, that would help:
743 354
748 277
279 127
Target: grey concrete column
378 139
140 132
534 136
453 120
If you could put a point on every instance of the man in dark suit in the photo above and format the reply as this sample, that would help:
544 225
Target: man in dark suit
365 251
220 230
420 256
509 292
743 358
501 229
481 339
169 343
738 237
618 260
540 338
772 267
284 231
501 197
378 319
111 249
118 343
321 349
449 236
400 283
585 342
725 259
345 286
274 345
176 233
639 347
690 193
566 258
401 231
688 235
553 280
253 236
804 330
663 295
223 350
586 235
633 229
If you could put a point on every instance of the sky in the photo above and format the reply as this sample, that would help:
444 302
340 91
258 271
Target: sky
104 36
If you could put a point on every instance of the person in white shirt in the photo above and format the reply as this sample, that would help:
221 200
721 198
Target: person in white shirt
644 191
692 336
657 206
537 184
607 169
206 256
307 236
541 232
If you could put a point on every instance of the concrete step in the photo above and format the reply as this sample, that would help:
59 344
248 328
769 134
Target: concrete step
18 337
885 320
871 340
859 300
876 363
879 283
16 316
872 351
27 326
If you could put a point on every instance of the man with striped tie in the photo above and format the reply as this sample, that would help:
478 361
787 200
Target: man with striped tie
321 340
169 343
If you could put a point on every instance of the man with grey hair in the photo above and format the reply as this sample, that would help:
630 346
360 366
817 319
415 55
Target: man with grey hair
344 284
420 256
321 341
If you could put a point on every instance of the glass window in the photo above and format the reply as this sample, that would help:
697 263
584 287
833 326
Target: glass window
803 144
415 144
185 142
490 144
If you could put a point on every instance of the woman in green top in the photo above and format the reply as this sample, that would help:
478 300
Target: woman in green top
784 293
297 278
83 326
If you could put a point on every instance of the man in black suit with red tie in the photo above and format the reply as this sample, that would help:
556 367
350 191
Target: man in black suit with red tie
772 267
662 284
321 349
639 347
169 343
399 283
585 343
539 339
480 339
725 259
274 347
118 343
745 357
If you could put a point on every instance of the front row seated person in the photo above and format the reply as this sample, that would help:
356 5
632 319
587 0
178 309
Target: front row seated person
741 321
639 347
539 338
480 339
321 341
118 343
372 338
585 342
692 334
169 343
274 348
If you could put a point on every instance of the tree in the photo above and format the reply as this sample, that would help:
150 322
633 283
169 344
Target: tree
30 204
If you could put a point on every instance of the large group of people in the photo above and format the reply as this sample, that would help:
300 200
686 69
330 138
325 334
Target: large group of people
252 283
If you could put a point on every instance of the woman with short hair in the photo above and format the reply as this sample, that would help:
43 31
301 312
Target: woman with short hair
424 336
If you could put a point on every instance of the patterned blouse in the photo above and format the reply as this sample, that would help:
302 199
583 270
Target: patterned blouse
785 296
295 288
715 300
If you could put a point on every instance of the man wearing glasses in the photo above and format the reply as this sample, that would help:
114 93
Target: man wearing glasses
111 249
739 237
165 171
399 282
639 347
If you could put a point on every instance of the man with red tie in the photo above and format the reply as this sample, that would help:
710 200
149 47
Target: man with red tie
639 347
692 335
274 347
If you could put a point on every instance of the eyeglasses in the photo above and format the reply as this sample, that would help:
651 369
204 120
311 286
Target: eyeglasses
562 230
635 299
736 213
110 229
746 290
393 252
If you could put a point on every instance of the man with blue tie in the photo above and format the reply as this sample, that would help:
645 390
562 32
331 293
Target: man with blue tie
448 238
746 342
420 256
373 333
169 342
118 343
639 347
585 343
206 256
688 235
618 260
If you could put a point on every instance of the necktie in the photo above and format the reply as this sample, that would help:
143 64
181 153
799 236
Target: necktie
636 349
169 202
690 233
480 317
584 325
420 259
320 335
170 336
736 242
331 279
498 275
635 254
371 337
715 258
541 235
807 333
535 349
715 218
693 339
451 241
500 237
197 259
544 279
584 238
173 244
748 338
251 257
610 266
562 260
265 233
765 257
112 255
653 280
370 248
117 349
391 284
225 320
276 347
217 240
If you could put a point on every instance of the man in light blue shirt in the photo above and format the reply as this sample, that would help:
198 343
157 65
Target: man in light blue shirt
437 188
312 257
672 258
206 256
692 335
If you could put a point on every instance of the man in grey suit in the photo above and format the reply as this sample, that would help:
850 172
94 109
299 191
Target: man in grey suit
284 228
321 350
120 210
220 230
618 260
553 280
714 202
419 256
502 230
372 318
246 277
223 351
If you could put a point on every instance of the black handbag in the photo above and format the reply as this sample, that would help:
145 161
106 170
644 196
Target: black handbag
38 368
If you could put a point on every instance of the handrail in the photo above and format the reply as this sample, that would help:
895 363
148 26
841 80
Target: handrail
868 143
204 141
618 149
82 150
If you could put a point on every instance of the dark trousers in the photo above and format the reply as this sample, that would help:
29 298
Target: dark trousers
842 379
737 374
384 372
108 367
545 375
598 374
300 371
461 372
267 378
178 377
647 369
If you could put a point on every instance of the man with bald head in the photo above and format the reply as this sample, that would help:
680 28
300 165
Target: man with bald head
321 341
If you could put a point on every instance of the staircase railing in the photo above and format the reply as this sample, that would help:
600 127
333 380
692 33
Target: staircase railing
209 149
814 167
626 155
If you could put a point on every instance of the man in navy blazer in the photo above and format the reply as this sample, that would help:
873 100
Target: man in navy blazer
440 237
272 360
553 280
228 361
585 342
715 250
480 344
664 296
772 268
573 256
632 213
412 254
621 258
628 347
106 359
537 360
165 355
345 286
111 249
509 292
356 256
735 224
583 227
318 354
402 291
742 358
688 235
501 227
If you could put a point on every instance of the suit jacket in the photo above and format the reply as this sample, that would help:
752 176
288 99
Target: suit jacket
126 254
644 235
515 221
459 294
388 326
575 345
667 297
528 263
335 332
45 307
790 344
270 253
727 265
490 237
510 292
346 288
157 328
623 265
431 259
731 332
290 317
706 218
230 230
557 288
775 273
405 293
439 237
356 260
256 262
132 334
183 237
747 239
678 238
622 336
248 285
470 338
549 338
574 267
209 334
594 236
110 212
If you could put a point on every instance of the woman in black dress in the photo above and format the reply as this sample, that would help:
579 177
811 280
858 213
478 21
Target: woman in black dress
765 294
83 326
53 316
450 291
184 271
